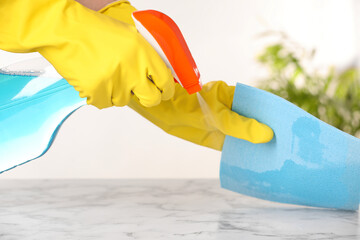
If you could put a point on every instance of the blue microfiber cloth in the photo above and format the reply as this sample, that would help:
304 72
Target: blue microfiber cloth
308 162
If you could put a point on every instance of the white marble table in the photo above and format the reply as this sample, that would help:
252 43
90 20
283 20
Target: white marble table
156 210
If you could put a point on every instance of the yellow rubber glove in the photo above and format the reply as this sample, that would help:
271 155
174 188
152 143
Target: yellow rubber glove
106 60
182 115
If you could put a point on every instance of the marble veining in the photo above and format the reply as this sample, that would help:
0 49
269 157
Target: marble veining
157 209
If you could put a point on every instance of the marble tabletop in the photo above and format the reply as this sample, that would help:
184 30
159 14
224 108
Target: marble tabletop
157 209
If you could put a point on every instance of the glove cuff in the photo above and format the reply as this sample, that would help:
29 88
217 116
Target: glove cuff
120 10
112 4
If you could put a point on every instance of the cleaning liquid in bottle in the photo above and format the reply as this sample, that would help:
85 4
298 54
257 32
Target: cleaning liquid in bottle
34 102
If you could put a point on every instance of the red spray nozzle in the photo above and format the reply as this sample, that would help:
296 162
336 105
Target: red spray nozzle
166 38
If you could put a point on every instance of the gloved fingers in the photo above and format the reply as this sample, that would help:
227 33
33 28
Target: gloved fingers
162 77
157 70
147 93
249 129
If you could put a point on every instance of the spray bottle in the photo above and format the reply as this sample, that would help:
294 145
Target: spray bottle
166 38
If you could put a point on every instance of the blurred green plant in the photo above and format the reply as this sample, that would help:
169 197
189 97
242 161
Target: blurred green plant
333 96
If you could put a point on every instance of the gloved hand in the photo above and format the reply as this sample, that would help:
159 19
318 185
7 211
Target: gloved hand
106 60
182 115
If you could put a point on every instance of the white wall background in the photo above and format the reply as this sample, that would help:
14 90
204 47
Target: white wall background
117 143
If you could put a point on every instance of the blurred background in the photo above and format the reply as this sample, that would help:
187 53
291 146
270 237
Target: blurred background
302 50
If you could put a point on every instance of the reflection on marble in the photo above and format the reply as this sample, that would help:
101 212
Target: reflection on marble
157 209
